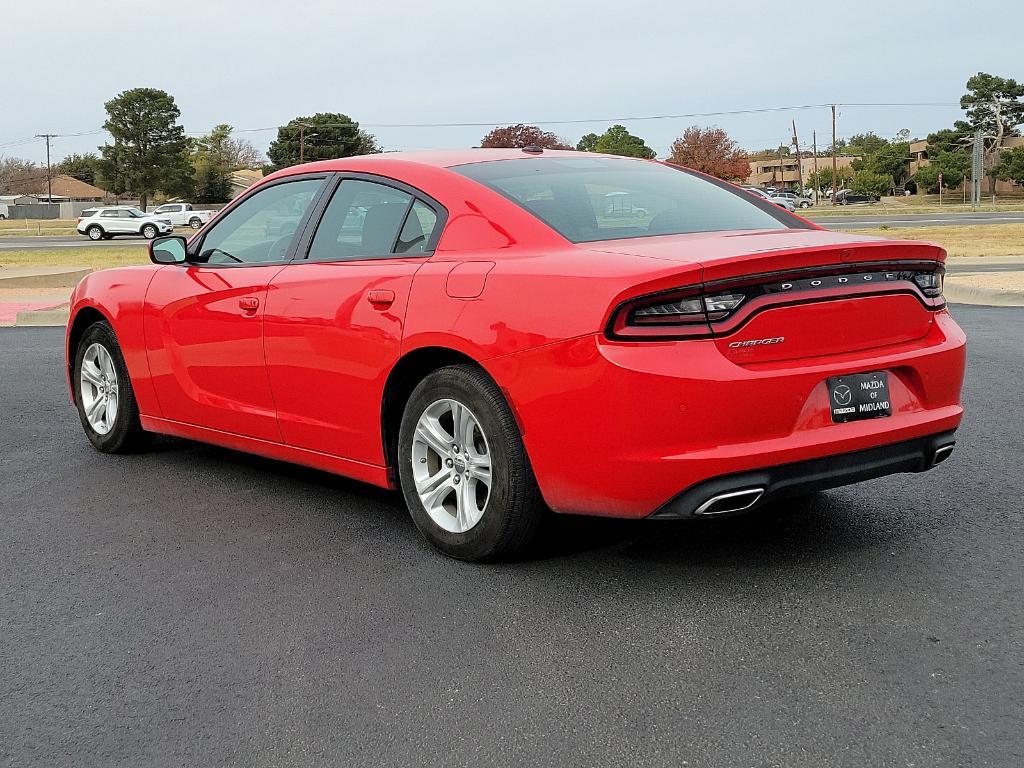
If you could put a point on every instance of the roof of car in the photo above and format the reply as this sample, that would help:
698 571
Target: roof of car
445 158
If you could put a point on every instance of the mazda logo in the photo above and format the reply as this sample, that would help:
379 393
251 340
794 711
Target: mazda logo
842 394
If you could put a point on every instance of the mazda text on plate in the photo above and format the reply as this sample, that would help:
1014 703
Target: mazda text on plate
503 334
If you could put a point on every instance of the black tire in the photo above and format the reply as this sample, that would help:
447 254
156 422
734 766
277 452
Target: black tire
195 222
108 237
149 232
514 510
126 435
95 232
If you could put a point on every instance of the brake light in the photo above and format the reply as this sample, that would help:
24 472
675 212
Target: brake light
704 310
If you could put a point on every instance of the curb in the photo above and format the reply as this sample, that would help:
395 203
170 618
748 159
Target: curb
58 278
958 293
43 317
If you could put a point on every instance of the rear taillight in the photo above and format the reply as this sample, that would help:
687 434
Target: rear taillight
722 306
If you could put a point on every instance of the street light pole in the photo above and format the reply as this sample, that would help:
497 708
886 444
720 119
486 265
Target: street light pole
834 189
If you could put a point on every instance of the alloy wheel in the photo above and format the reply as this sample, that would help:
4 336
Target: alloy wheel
451 465
98 388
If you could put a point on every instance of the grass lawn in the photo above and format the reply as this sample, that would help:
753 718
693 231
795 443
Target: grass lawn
967 240
97 258
27 227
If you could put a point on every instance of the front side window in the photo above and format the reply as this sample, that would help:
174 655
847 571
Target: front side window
586 199
110 214
365 220
261 227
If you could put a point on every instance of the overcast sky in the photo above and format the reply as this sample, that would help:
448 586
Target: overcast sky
255 64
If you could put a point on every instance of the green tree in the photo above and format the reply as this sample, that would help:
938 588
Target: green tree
871 183
954 167
324 136
865 144
228 152
150 149
616 141
892 160
995 107
587 142
84 167
212 183
822 179
950 139
1011 165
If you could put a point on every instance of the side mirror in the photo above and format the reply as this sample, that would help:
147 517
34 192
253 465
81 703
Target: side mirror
167 250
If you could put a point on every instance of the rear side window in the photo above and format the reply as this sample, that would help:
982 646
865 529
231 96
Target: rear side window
88 212
419 226
586 199
365 219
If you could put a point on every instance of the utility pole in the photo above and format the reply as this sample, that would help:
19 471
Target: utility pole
817 178
49 189
782 170
799 164
834 189
302 143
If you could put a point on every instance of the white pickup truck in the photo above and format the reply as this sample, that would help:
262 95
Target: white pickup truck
183 215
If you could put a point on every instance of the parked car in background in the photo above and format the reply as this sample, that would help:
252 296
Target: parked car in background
183 215
800 201
849 197
471 328
106 223
782 202
5 212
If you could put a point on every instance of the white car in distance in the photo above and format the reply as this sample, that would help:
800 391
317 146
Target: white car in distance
109 222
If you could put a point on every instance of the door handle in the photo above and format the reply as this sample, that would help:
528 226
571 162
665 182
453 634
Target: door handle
249 304
380 298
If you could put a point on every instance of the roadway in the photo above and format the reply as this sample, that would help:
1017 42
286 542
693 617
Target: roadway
196 606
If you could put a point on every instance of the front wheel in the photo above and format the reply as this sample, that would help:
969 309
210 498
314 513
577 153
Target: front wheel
463 468
104 395
149 232
94 233
805 205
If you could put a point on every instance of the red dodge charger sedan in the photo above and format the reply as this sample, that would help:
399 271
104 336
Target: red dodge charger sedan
501 333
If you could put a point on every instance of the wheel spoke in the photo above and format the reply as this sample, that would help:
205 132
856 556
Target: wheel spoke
91 373
467 511
111 413
438 492
482 472
431 433
93 408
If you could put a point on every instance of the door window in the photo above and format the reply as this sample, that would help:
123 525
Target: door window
260 228
363 219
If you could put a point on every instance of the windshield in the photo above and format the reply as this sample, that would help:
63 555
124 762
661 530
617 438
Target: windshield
586 199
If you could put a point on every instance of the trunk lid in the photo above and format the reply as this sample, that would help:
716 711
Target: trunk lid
810 321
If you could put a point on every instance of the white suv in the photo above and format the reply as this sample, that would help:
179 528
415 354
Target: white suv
105 223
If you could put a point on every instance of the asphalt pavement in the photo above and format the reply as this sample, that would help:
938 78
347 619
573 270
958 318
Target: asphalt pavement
193 606
46 242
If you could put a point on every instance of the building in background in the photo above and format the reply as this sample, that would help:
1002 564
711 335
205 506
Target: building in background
919 159
784 173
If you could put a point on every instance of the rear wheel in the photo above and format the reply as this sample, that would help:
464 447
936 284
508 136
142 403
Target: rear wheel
195 223
94 232
463 468
104 395
149 231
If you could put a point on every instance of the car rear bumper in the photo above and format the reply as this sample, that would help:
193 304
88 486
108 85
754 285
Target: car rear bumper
745 491
626 429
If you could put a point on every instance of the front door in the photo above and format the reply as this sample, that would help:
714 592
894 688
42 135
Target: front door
333 326
204 318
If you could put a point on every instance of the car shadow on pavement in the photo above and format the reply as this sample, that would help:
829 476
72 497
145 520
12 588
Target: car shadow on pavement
809 527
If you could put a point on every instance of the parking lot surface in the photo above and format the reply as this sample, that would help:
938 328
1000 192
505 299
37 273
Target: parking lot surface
195 606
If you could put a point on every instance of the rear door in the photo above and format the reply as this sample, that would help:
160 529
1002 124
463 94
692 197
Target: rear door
334 320
204 319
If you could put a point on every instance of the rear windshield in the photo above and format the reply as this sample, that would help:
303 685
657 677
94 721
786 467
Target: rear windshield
598 198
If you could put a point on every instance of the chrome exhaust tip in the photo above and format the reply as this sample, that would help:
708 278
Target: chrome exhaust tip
735 501
942 453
